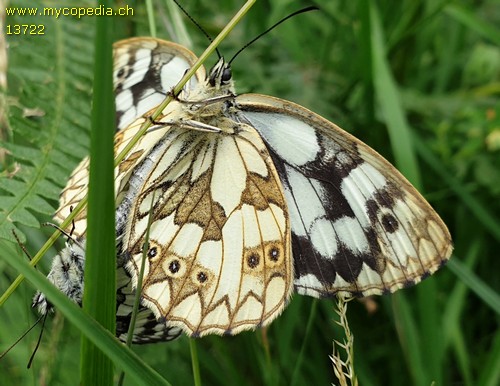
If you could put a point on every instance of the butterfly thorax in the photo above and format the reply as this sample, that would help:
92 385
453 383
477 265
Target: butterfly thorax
209 103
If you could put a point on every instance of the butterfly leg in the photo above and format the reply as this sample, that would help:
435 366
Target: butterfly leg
200 104
195 125
184 123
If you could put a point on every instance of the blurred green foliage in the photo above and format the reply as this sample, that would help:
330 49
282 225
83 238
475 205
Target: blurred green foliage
444 61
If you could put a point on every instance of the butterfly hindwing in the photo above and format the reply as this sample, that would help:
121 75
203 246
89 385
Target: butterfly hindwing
147 329
358 226
76 188
219 259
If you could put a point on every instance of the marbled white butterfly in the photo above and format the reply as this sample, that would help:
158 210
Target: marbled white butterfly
252 197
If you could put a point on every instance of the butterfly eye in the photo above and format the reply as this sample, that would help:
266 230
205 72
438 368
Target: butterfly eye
220 74
226 75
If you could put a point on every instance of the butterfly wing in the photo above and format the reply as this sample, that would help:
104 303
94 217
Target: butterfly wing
219 259
147 329
358 226
77 185
144 71
76 188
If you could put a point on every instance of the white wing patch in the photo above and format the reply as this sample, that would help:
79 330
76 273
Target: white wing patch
302 142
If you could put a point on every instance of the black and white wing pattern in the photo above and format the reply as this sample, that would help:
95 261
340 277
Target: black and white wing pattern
145 70
358 226
220 261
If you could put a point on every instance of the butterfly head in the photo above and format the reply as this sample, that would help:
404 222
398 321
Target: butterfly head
221 76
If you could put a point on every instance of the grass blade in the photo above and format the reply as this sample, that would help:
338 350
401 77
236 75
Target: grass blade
480 288
468 18
100 264
389 101
490 374
484 215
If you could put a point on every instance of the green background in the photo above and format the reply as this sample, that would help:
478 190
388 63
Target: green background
425 72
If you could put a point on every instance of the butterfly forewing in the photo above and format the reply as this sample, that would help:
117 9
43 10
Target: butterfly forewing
358 226
144 71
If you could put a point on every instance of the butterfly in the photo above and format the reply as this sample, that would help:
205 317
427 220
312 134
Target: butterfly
249 198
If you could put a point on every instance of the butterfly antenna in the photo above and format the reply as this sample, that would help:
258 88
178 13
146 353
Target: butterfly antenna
21 337
68 235
49 224
21 244
72 221
307 9
32 357
198 25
